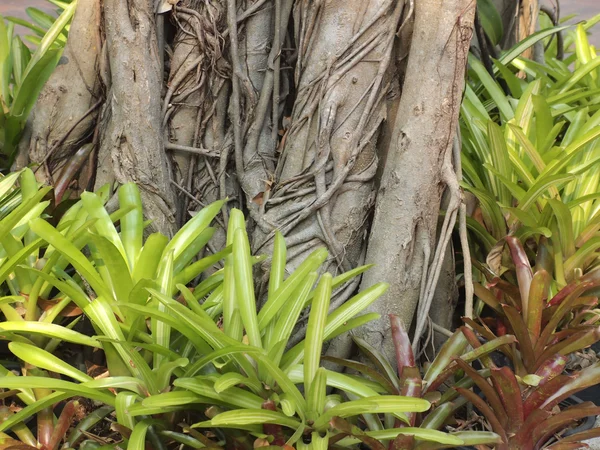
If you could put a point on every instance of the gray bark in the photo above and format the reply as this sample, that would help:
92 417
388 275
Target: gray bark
221 125
131 146
72 89
416 171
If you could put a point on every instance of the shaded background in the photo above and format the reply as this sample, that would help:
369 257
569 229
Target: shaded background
583 8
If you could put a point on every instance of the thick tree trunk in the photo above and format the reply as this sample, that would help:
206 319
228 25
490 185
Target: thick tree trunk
131 146
64 115
279 106
418 166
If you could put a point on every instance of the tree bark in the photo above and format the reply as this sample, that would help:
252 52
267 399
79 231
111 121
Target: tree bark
280 106
418 166
60 122
131 147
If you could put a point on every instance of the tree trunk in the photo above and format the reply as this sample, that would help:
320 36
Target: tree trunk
279 105
419 165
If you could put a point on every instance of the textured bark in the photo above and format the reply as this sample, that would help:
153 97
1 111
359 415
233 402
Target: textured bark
72 89
408 200
329 161
445 299
131 146
195 106
281 106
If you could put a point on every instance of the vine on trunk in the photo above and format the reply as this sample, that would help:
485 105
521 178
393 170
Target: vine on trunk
279 105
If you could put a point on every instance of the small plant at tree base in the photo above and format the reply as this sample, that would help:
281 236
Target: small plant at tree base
209 354
545 325
418 430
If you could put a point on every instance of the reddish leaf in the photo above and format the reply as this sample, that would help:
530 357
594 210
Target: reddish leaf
404 353
452 348
562 420
485 349
570 345
402 442
589 280
551 368
538 293
510 291
524 437
523 270
487 297
567 446
352 430
482 329
582 436
487 412
574 383
70 310
520 330
540 394
490 394
486 361
565 333
506 385
559 314
63 424
379 361
273 429
501 329
411 387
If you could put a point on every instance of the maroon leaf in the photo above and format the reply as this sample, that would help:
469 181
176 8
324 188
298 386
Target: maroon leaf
538 293
551 368
404 353
487 412
490 394
523 270
506 385
563 419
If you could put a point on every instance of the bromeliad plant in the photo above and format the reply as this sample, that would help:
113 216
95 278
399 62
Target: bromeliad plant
523 411
550 323
418 430
24 323
250 377
210 348
529 156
